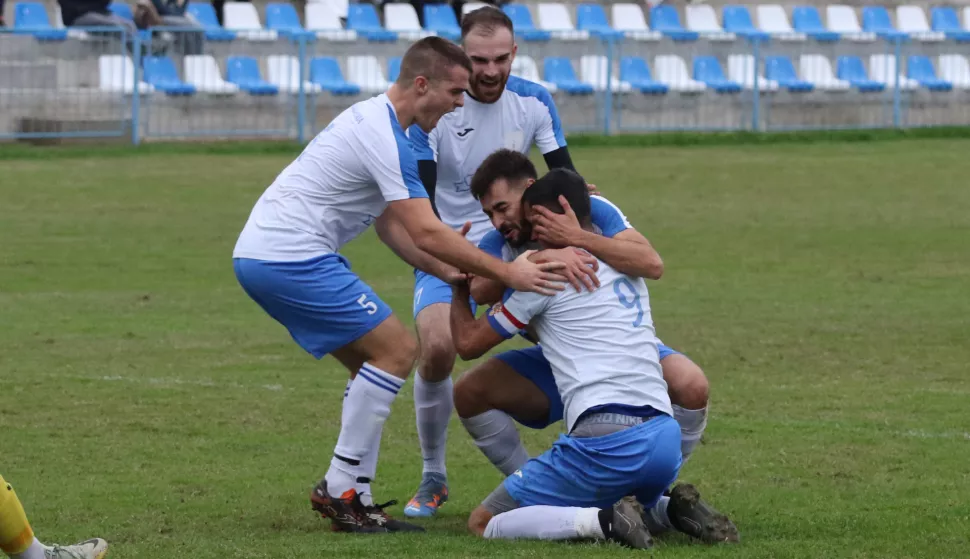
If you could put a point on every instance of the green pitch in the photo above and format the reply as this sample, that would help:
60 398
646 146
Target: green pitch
825 290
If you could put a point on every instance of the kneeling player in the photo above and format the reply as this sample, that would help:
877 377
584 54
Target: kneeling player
603 352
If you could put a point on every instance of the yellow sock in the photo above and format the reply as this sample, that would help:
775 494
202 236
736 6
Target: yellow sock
15 533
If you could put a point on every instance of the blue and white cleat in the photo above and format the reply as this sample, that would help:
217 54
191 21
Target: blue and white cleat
432 493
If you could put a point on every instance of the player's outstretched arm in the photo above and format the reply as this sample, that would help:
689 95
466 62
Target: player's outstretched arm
580 271
393 234
472 337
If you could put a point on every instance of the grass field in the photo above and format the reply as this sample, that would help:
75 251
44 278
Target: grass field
825 290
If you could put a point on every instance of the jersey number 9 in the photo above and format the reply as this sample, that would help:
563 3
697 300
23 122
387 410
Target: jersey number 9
631 300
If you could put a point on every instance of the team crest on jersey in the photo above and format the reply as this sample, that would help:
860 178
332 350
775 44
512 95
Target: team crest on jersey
496 308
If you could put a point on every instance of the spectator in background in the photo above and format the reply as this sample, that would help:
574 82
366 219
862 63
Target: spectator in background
93 13
171 13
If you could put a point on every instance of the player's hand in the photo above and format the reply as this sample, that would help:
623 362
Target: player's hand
525 275
450 274
580 267
592 190
555 229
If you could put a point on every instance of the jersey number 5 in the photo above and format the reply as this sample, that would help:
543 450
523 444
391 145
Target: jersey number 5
371 306
629 301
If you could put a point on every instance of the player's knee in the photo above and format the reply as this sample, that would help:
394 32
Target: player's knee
400 361
686 382
471 396
478 521
437 359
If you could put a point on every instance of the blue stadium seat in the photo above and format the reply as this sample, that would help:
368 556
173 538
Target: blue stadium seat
634 70
30 18
781 69
161 73
592 18
121 10
325 72
806 19
708 70
393 68
920 68
244 72
664 18
523 24
282 18
363 19
559 70
945 20
737 20
875 19
851 69
205 14
441 19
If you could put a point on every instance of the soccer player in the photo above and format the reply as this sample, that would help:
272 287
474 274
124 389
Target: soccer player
17 538
358 169
621 437
500 111
520 383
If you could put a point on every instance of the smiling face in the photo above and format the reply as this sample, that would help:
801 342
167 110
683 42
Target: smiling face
491 52
502 203
439 97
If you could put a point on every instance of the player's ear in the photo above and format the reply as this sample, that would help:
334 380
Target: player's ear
421 84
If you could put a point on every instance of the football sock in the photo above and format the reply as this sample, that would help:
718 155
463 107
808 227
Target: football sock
16 536
656 518
34 551
495 434
433 403
692 425
366 408
546 523
368 462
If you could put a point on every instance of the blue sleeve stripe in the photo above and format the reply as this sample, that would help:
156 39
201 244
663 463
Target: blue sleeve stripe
525 88
420 143
409 165
606 216
499 328
492 243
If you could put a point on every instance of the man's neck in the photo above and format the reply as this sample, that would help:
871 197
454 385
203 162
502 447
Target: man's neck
403 105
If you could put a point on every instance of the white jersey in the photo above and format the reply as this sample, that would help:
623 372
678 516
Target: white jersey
336 188
601 345
524 115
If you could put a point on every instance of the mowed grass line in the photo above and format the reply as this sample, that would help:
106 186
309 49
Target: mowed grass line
823 288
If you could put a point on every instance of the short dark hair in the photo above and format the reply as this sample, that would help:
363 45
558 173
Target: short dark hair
488 19
431 57
546 191
503 164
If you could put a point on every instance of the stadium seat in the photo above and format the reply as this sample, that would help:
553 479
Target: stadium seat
440 18
322 20
672 71
365 71
808 21
875 19
593 69
401 18
283 71
121 10
471 7
554 18
664 18
325 72
559 71
160 72
946 21
817 69
393 68
703 19
363 19
525 67
205 15
912 20
242 18
202 71
30 18
282 18
843 20
782 71
116 74
920 69
851 69
708 70
773 20
339 7
628 19
737 20
966 18
592 19
523 24
955 69
884 69
244 72
634 71
741 69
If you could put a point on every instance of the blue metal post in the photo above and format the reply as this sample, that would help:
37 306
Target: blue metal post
301 107
756 99
897 95
608 105
135 97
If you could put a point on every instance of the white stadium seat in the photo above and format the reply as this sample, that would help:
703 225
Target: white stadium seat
554 17
883 69
817 69
702 19
402 19
629 19
741 68
283 71
202 71
366 72
593 70
843 19
773 19
117 75
672 70
322 20
242 18
526 68
338 7
912 20
471 7
954 68
966 18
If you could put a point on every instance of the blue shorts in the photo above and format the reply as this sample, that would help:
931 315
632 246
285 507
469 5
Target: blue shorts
598 471
320 301
532 364
429 290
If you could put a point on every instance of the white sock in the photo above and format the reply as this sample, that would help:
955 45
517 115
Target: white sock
433 403
368 462
35 551
692 425
366 407
495 434
546 523
657 520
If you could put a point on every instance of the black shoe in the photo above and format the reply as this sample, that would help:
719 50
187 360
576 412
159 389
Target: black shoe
345 512
692 516
622 524
376 513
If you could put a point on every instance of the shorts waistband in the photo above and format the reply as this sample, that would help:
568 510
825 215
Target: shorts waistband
613 419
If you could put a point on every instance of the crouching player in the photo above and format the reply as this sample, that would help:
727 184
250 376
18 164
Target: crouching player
622 439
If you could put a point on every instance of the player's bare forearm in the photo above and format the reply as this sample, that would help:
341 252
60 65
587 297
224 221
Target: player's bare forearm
486 291
472 337
628 252
393 234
